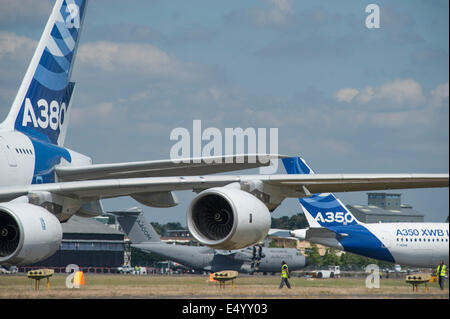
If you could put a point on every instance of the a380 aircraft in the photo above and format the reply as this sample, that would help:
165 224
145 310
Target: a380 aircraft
333 225
42 183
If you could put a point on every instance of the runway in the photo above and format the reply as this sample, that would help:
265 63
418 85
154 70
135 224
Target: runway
99 286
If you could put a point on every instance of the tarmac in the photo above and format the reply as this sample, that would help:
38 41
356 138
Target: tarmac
105 286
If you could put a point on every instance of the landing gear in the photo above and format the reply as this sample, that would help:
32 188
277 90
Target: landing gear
256 257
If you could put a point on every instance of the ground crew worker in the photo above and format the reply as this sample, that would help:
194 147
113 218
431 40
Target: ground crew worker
284 275
441 272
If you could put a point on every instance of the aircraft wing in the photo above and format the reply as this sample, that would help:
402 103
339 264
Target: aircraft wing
162 168
281 185
327 183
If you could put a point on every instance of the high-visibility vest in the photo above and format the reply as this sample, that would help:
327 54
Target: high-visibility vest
284 273
442 271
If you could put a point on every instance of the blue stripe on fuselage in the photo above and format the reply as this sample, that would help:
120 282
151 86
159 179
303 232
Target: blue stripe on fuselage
362 242
46 156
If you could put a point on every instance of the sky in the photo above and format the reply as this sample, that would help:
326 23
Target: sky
347 98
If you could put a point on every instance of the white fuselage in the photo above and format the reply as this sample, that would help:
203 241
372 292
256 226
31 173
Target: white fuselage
414 244
18 159
409 244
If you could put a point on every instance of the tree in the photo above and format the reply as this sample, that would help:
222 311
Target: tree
314 258
330 258
162 229
294 222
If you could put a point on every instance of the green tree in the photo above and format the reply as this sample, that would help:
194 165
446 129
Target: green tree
314 258
294 222
162 229
158 228
330 258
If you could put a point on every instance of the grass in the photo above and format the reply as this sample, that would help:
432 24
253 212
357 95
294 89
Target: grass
184 286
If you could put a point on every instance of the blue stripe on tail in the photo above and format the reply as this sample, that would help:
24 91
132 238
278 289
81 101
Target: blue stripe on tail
324 208
46 102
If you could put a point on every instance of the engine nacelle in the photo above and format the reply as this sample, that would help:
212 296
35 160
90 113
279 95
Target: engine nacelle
28 233
228 218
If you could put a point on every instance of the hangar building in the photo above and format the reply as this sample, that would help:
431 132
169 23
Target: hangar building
385 208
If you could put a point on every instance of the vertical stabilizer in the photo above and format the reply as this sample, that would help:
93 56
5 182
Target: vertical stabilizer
42 105
136 226
321 210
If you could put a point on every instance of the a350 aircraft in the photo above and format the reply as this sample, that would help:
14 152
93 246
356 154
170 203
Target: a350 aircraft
333 225
42 183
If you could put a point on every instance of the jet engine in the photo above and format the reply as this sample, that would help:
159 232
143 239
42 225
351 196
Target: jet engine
227 218
28 233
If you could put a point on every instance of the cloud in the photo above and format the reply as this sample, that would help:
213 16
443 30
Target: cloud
398 93
395 104
15 54
104 110
346 95
137 65
402 91
278 13
439 96
24 12
134 58
401 119
12 44
275 13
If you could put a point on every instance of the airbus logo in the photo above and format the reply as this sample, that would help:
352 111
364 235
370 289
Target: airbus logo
335 217
50 115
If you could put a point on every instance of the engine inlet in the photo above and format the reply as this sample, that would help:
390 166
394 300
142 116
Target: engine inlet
213 217
9 234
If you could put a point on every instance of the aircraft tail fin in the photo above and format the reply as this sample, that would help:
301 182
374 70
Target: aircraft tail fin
323 209
41 108
136 226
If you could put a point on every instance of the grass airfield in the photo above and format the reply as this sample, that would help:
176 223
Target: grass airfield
197 286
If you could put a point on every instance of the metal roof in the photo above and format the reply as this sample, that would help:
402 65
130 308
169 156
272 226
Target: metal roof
375 210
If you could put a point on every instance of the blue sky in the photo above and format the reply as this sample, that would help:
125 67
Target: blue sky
347 98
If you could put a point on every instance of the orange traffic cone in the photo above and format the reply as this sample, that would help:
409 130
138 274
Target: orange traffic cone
78 279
